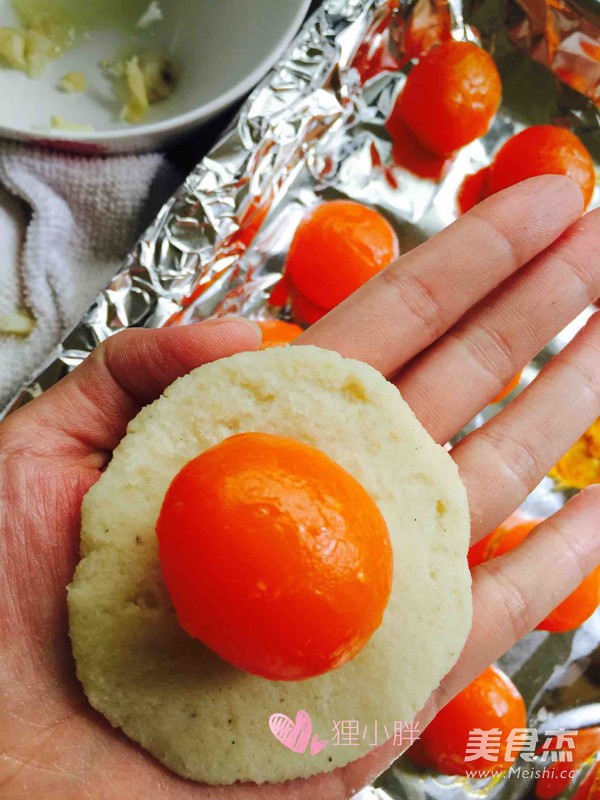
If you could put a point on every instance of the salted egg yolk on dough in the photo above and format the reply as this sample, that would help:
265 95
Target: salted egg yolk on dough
274 556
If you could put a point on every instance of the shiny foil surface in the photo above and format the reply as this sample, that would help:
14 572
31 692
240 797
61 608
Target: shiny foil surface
315 129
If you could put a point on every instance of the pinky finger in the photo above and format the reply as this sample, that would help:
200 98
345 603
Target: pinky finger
512 594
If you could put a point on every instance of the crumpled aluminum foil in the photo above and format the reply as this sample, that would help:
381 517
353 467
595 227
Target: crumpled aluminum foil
315 129
561 35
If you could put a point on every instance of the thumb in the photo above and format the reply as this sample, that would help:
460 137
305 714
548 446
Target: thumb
86 414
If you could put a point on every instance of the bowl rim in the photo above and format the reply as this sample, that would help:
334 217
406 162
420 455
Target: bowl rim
180 121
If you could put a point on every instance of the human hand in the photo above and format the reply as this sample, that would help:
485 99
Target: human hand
450 323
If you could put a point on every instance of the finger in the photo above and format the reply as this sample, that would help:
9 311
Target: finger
505 459
88 411
513 593
452 381
408 306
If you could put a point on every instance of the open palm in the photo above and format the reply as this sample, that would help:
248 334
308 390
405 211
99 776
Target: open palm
449 323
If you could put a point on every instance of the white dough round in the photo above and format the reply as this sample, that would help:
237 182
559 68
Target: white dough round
197 714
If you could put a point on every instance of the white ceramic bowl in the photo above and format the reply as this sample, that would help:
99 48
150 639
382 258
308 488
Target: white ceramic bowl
222 47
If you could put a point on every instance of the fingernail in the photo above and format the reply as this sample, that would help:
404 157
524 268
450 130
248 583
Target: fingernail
241 323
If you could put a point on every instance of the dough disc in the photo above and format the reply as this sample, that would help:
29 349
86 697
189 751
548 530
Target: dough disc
201 717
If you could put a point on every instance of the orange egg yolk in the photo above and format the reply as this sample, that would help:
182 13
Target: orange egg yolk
276 332
490 702
338 246
274 556
580 466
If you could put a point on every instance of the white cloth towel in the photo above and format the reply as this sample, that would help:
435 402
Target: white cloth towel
66 222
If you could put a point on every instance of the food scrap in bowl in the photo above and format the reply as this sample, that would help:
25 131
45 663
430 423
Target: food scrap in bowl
73 82
144 79
30 48
58 123
47 31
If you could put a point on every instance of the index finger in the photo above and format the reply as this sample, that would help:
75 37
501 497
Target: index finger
405 308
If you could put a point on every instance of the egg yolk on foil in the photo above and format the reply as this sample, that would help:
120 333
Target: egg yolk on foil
580 466
491 701
542 150
574 609
338 246
508 389
538 150
553 781
590 786
274 556
450 96
276 332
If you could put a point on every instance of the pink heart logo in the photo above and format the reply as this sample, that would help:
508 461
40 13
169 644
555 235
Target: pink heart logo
316 744
293 735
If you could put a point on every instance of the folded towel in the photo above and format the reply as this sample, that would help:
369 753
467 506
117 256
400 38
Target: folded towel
65 224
